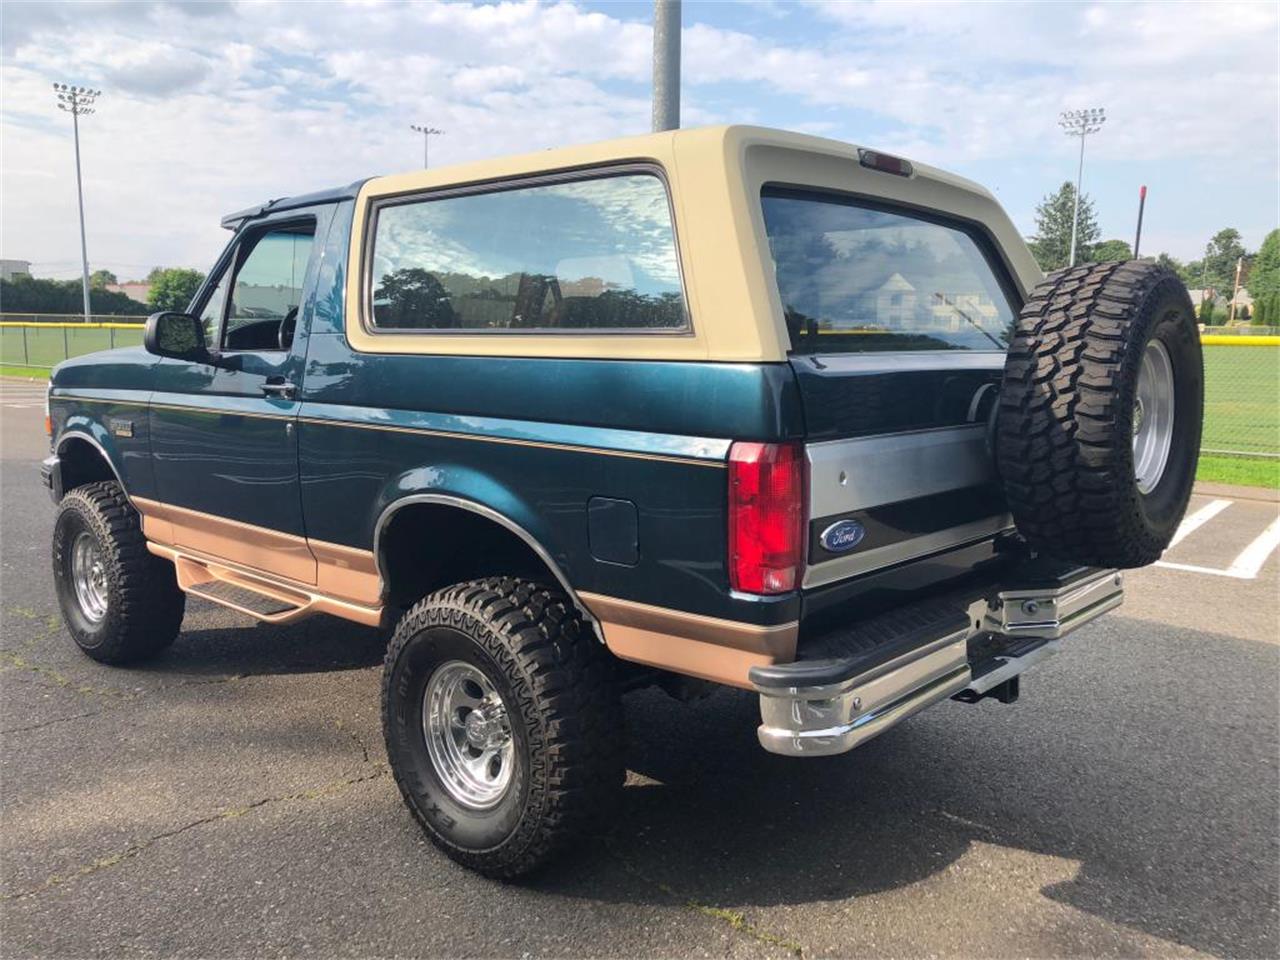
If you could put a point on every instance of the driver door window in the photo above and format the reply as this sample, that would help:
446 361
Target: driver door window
262 309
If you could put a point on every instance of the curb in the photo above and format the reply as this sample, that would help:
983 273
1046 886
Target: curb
1233 492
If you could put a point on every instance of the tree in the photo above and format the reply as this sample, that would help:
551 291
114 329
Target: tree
413 297
1109 250
1052 242
1264 274
1218 268
1192 274
1173 263
38 295
1206 311
100 278
173 288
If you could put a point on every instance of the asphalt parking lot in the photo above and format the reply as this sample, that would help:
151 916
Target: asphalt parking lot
232 798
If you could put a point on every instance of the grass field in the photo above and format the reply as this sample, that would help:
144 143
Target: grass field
1242 399
26 373
47 345
1243 471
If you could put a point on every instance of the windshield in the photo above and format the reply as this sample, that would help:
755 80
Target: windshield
853 278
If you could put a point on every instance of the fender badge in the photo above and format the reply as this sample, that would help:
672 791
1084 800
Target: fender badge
842 536
122 428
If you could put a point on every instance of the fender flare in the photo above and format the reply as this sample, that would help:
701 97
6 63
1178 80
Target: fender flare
75 433
489 513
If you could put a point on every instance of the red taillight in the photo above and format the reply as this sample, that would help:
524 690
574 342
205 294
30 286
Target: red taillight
766 516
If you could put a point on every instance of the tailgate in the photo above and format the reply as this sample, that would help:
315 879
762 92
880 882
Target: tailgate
904 470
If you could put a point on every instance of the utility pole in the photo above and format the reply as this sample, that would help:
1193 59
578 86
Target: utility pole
1142 203
1235 290
78 101
1080 123
427 134
666 65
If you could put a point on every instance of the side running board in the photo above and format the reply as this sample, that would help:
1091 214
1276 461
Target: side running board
259 596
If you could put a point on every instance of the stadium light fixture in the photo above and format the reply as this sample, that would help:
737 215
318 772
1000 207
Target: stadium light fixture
1080 123
79 101
427 133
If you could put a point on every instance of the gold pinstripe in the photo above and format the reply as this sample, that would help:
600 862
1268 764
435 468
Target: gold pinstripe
424 431
517 441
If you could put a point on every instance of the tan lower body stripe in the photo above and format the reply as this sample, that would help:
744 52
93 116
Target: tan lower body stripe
345 581
699 646
346 573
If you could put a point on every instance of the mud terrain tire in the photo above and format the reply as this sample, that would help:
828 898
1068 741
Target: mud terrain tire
1069 407
532 662
134 607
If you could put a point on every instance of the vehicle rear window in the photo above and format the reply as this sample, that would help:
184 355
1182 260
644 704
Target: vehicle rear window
856 278
577 255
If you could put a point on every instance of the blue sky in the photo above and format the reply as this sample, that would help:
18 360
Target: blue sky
210 107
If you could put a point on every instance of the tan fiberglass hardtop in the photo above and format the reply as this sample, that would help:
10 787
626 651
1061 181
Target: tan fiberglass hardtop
715 176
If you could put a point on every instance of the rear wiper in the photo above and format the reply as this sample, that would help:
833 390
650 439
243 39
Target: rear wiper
968 319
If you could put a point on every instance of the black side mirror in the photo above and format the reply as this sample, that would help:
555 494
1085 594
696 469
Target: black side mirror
177 335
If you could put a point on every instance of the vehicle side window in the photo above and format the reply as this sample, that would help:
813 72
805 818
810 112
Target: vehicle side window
267 292
580 255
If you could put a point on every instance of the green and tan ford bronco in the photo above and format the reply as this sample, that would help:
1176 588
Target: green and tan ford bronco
714 406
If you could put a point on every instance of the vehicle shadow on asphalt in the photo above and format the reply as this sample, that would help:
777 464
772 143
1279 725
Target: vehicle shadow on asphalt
319 644
1154 834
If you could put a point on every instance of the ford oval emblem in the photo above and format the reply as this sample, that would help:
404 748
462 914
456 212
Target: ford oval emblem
842 536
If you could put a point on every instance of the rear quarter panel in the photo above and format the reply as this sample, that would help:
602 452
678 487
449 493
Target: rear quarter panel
535 439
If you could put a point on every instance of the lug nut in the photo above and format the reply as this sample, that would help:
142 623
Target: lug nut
1030 606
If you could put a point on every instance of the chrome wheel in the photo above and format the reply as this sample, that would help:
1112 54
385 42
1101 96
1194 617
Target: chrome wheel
468 735
89 576
1153 416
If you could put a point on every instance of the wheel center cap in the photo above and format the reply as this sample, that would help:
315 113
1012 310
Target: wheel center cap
477 729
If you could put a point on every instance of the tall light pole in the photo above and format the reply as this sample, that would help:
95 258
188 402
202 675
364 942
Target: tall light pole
666 65
1080 123
427 134
78 101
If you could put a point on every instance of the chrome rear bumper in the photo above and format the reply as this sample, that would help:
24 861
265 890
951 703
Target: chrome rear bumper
825 707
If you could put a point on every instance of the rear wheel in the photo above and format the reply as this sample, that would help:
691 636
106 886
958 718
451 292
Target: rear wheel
1098 430
119 602
502 723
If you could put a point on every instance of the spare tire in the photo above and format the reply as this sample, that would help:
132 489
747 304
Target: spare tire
1098 427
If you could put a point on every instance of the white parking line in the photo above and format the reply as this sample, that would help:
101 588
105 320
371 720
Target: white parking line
1247 565
1197 520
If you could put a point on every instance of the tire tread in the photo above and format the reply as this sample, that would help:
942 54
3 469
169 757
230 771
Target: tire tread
568 696
1064 449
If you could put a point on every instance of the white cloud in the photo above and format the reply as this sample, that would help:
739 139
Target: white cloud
208 109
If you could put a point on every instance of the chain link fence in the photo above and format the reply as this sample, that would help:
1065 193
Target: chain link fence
1242 372
1242 395
39 345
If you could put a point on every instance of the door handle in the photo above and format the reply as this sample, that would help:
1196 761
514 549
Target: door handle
279 387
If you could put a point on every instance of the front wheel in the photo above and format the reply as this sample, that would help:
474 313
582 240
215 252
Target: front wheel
502 723
119 602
